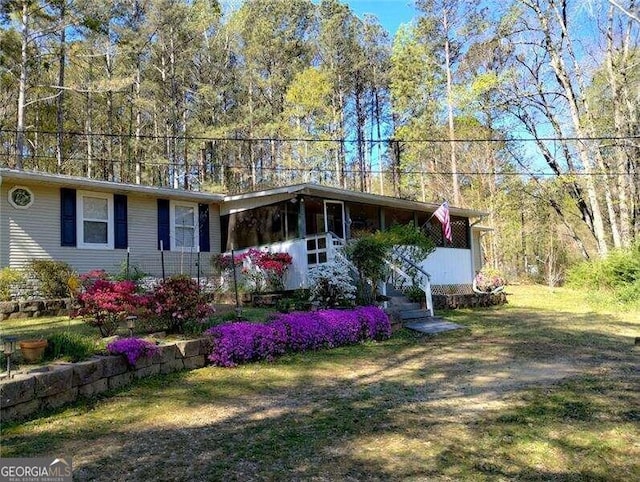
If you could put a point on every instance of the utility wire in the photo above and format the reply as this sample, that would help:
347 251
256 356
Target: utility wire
98 160
336 140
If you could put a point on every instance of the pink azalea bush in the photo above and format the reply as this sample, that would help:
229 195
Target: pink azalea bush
177 300
132 348
104 304
258 270
235 343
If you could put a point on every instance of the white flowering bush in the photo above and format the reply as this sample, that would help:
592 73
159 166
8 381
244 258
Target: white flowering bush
331 285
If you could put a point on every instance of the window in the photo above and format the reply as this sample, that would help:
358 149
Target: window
184 223
95 223
260 226
364 219
20 197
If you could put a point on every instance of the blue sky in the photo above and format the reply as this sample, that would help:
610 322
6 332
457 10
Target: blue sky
391 13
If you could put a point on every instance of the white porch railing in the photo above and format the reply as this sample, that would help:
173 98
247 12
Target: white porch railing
404 272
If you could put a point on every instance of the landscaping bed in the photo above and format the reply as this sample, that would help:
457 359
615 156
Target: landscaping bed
52 386
228 344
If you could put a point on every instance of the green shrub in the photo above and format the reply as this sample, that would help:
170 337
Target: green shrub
69 346
415 294
369 252
8 277
53 277
618 273
134 273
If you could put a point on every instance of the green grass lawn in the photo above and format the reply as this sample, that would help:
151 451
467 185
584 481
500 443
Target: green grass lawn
545 388
43 327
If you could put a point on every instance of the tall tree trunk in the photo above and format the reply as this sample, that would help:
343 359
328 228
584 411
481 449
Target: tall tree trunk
60 98
22 88
452 144
88 129
138 126
622 161
360 121
558 64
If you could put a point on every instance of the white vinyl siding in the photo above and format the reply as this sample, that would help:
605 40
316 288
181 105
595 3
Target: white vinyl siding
35 233
449 266
94 220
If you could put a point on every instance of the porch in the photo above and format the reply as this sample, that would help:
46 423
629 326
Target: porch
312 223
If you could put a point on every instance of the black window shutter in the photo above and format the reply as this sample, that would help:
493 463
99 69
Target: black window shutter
164 224
68 217
203 222
121 237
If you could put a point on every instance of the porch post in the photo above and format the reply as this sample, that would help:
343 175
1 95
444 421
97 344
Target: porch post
302 219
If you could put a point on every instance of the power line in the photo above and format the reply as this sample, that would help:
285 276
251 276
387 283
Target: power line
99 160
335 140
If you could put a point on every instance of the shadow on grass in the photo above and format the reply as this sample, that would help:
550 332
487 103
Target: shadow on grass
454 407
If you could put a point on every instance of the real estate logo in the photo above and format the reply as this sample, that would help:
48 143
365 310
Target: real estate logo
40 469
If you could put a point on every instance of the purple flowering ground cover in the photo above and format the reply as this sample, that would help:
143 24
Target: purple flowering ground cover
132 348
242 342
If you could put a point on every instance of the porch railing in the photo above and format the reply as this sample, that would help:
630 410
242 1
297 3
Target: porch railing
404 272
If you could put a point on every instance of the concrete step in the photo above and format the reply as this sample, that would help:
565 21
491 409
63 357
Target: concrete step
407 306
403 304
394 292
432 326
413 314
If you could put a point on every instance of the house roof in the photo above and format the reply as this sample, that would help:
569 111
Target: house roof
117 187
231 203
268 195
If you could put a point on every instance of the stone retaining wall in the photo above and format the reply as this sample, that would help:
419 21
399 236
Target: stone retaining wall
34 308
55 385
469 300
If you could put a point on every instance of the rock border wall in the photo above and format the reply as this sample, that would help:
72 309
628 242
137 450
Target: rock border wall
58 384
34 308
472 300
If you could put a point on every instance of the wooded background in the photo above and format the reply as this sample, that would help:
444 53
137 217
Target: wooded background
528 109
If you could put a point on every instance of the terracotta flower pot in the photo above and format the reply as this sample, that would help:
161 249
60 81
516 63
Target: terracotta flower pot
33 350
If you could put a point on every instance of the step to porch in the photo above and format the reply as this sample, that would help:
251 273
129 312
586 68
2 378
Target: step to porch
406 315
416 318
432 326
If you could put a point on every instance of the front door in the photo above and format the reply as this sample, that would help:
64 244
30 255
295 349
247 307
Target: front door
334 218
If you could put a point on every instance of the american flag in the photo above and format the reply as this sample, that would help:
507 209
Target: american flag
442 213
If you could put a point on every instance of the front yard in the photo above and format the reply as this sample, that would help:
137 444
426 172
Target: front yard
545 388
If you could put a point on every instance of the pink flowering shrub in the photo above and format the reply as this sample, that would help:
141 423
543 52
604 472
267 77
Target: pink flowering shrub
489 280
223 262
257 270
235 343
132 348
265 271
90 277
104 304
178 300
